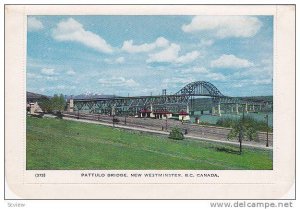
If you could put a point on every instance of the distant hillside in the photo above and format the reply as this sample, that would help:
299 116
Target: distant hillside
90 96
265 98
33 97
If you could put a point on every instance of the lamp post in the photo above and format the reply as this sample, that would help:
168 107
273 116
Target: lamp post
267 117
241 131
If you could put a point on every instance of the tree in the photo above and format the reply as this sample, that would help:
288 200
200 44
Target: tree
176 134
45 105
56 103
243 128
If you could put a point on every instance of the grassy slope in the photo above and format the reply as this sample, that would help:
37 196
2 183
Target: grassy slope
61 144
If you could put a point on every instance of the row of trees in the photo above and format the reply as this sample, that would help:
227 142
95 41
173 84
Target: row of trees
247 121
242 128
56 103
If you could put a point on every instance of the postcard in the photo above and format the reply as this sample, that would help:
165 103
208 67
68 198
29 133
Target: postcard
150 101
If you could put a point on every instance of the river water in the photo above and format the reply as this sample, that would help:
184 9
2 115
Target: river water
213 119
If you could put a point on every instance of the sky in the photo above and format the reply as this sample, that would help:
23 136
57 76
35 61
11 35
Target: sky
141 55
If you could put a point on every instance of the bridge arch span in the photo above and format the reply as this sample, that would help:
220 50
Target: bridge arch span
200 88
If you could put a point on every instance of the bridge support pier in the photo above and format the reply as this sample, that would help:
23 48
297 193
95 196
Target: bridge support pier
151 109
219 109
246 107
237 108
70 106
113 111
216 110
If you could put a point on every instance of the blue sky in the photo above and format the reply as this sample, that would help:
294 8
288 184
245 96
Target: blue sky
140 55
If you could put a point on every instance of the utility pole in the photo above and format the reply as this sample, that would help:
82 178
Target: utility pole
241 132
166 123
125 117
267 117
113 112
113 120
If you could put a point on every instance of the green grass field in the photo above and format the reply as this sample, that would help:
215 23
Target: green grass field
61 144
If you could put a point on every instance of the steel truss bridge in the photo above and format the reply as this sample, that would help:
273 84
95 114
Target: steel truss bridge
173 103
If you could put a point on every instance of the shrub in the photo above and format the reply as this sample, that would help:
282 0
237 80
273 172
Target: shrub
205 123
251 134
227 122
246 127
176 134
56 103
248 122
59 115
115 120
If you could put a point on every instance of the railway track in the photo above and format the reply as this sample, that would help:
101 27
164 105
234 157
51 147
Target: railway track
212 132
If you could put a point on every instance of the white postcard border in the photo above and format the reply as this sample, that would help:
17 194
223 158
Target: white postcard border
231 184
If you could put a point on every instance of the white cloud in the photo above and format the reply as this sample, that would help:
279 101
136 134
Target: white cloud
118 82
206 42
47 75
59 87
70 72
225 26
33 76
120 60
169 52
50 78
267 61
215 77
71 30
176 82
160 42
33 24
230 61
171 55
256 72
201 70
167 55
205 74
48 71
237 85
189 57
187 77
262 82
252 82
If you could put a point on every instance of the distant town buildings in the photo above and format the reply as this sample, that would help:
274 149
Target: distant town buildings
32 102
